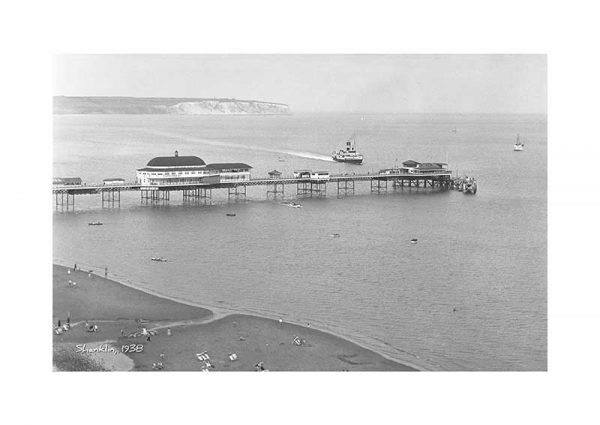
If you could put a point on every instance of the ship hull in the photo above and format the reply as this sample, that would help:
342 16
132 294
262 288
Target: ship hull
349 160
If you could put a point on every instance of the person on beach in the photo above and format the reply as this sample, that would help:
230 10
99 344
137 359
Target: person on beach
168 331
68 271
106 272
59 323
89 275
70 282
122 332
148 338
75 267
280 322
95 328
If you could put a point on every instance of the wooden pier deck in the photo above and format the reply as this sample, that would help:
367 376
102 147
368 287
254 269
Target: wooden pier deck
305 187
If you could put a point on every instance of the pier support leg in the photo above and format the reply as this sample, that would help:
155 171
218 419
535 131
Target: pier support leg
197 196
378 185
318 189
236 192
276 189
345 188
154 196
303 189
70 201
110 197
64 200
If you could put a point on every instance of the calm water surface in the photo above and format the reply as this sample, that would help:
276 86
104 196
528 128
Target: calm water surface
484 255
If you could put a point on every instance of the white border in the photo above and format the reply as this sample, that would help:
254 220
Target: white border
34 31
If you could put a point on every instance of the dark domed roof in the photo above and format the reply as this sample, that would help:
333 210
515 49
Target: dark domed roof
176 161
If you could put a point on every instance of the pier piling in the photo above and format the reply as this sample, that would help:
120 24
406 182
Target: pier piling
378 185
275 189
110 198
303 189
65 200
345 188
236 192
198 196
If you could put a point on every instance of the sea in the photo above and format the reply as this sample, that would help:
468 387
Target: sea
470 295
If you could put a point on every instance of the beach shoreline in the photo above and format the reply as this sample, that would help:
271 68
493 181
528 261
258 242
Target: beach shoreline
117 306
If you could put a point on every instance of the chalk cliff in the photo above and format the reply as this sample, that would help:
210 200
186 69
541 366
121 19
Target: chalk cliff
156 105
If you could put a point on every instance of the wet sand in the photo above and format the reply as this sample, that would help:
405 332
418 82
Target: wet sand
114 307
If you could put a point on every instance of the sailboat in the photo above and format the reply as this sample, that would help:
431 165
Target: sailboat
350 154
518 145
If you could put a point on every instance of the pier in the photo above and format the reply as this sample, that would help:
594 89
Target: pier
201 193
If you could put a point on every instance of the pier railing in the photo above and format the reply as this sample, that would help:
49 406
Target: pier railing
95 188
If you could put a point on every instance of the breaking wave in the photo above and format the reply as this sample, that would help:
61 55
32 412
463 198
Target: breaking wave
307 155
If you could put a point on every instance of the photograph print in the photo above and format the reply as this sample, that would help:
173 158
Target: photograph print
330 212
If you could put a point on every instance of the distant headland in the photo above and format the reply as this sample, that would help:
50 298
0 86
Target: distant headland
165 105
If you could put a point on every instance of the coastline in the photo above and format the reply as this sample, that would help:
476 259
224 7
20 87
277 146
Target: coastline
119 309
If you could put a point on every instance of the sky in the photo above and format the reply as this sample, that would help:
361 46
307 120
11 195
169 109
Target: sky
320 83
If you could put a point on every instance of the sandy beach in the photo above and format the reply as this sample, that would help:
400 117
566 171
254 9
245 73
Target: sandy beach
177 333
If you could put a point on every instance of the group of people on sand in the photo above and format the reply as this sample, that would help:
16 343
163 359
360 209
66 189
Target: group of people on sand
89 272
142 331
159 365
207 363
60 328
71 283
91 328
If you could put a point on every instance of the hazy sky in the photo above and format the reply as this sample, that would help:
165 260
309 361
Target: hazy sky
350 83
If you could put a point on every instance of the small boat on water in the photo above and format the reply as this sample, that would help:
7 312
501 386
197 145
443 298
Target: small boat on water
230 215
519 146
292 204
335 235
350 154
413 240
95 223
159 259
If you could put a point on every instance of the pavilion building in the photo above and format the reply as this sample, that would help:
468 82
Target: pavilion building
414 167
189 170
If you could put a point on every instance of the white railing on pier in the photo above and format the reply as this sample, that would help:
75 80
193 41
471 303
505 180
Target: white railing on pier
255 181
